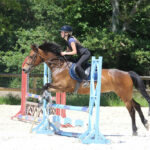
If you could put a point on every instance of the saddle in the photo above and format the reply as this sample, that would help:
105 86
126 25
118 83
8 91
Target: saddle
75 76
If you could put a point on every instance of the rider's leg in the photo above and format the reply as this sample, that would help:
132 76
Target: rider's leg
83 59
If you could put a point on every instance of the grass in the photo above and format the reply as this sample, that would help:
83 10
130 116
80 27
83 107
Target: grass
107 99
142 101
77 100
10 100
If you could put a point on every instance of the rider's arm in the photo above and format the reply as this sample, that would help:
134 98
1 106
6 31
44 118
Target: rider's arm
73 52
67 50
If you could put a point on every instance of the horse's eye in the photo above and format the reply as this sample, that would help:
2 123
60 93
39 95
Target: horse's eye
31 57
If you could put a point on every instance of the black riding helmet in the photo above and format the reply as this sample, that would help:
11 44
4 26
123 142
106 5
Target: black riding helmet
66 28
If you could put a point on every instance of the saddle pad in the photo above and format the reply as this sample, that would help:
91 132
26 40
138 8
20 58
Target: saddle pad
74 75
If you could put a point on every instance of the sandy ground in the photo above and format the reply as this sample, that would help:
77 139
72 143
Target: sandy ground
115 125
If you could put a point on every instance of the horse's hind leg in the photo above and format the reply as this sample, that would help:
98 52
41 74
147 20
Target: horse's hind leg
138 109
127 99
131 110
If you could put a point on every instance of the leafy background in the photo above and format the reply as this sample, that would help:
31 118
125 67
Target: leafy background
24 22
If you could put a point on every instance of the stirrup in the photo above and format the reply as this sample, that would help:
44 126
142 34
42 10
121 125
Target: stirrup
86 83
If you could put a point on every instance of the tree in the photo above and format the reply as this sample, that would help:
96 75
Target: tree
41 23
7 22
115 15
118 30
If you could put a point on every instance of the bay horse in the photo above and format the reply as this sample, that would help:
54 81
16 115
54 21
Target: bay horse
113 80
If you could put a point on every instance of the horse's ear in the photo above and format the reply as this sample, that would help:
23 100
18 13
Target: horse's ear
34 47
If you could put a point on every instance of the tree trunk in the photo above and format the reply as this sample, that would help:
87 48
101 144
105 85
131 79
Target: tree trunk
115 14
133 11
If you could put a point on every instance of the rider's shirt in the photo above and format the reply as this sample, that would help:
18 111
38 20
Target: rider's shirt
80 49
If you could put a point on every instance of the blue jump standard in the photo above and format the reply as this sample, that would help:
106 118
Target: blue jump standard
46 127
92 135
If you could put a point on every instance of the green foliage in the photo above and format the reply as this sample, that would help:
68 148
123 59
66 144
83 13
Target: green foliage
7 22
114 47
143 58
85 14
22 47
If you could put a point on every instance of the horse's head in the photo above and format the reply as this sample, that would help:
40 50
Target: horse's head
33 59
38 54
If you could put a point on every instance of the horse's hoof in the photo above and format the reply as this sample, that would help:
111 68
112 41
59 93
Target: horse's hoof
147 126
134 134
46 86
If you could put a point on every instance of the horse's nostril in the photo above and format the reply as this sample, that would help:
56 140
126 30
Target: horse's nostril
23 70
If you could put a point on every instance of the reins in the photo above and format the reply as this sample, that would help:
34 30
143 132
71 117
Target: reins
66 61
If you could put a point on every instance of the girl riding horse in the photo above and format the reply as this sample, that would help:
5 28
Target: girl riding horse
74 47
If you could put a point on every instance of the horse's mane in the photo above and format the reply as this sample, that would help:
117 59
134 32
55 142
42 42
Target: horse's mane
56 49
51 47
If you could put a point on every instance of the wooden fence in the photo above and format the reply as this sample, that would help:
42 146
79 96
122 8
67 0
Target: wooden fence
147 83
145 78
34 76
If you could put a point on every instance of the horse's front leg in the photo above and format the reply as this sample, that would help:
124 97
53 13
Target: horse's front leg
53 87
46 86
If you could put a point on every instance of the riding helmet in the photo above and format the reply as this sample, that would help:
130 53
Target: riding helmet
66 28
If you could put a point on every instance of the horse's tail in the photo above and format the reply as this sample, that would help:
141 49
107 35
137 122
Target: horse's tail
139 85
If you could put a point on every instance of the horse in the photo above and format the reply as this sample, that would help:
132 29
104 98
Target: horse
112 80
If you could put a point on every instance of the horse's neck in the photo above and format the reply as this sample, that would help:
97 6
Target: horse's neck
59 66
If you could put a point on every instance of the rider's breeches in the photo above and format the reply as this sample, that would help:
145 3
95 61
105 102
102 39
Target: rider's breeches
79 65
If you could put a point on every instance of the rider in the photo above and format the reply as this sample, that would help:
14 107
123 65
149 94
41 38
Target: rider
74 47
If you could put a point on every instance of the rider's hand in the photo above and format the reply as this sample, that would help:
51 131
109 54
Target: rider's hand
63 53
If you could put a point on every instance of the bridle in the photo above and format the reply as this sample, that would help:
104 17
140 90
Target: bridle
50 61
33 58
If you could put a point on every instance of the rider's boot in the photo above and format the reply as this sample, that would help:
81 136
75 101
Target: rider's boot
86 83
